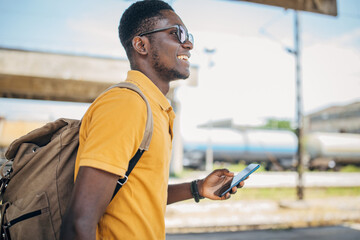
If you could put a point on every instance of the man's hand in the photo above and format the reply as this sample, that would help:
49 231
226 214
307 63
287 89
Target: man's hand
214 181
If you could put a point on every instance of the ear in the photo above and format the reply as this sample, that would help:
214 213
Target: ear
140 45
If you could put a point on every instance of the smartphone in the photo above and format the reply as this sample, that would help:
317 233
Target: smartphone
237 179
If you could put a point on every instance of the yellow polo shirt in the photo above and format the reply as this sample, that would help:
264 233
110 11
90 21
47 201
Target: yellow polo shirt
111 132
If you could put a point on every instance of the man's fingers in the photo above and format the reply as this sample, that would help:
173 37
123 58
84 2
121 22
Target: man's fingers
228 173
233 190
228 195
241 184
225 172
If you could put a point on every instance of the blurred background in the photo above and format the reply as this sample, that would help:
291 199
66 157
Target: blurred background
273 82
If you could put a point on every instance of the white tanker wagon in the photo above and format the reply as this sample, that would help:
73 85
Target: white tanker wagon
271 148
332 150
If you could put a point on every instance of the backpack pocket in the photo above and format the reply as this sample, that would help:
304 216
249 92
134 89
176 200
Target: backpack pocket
29 218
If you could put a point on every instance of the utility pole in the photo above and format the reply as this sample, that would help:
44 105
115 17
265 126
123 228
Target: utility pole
209 157
299 112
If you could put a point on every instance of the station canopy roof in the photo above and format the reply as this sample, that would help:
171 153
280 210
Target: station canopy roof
327 7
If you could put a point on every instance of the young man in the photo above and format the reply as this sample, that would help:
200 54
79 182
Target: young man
158 47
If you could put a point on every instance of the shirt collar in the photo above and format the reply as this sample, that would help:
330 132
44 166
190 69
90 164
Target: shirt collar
148 87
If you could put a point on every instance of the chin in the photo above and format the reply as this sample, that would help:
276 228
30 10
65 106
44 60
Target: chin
180 75
185 75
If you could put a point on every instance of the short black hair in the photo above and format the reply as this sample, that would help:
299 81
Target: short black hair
141 16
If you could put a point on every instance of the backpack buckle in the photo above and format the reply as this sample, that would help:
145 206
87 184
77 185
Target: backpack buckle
122 181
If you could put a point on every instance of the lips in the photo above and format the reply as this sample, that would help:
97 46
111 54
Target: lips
183 57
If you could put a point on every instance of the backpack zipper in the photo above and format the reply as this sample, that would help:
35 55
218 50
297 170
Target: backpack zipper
25 217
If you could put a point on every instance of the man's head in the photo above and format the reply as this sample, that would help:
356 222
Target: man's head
156 41
140 17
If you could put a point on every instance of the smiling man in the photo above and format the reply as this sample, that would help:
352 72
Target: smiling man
158 46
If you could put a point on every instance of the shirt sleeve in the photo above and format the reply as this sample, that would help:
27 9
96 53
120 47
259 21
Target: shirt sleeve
114 129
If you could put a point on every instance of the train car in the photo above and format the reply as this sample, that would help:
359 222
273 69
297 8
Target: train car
273 148
332 150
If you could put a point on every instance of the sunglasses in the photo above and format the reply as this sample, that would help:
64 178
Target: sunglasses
181 33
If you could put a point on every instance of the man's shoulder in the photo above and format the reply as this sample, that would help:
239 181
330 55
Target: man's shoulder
118 100
121 95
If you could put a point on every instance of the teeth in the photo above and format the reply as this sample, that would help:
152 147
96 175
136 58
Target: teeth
183 57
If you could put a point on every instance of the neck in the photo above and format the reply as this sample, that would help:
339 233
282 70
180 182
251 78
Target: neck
162 84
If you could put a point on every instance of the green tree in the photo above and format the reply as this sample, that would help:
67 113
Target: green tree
273 123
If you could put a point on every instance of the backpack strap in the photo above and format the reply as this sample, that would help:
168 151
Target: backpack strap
149 121
131 166
144 146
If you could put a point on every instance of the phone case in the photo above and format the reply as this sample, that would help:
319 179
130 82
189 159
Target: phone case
237 179
223 188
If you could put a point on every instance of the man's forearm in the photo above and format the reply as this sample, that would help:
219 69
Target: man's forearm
178 192
77 229
182 191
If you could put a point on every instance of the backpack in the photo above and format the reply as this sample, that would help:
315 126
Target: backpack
36 190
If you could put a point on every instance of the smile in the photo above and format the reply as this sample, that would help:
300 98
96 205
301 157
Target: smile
183 57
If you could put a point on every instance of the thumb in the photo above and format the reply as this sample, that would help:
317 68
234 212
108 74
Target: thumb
223 172
227 172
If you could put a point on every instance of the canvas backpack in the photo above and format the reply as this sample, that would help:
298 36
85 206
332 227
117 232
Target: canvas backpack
35 192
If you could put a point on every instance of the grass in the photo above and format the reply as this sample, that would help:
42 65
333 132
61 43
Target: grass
278 194
232 167
236 167
239 167
350 168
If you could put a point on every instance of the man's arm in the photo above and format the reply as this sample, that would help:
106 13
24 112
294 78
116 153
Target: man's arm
207 187
91 195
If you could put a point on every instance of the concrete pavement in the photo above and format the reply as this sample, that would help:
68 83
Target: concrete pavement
213 216
236 215
343 232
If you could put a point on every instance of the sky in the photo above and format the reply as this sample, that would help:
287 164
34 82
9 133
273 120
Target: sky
249 77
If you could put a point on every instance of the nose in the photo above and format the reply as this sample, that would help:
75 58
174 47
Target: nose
187 44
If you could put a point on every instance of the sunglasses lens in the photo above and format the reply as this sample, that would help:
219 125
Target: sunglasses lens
181 34
191 38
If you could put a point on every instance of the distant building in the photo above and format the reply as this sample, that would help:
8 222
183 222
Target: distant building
344 119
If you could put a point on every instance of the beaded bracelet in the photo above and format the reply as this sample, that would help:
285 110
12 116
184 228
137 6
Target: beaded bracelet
195 191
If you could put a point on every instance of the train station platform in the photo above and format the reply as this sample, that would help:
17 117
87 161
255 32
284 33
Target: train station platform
239 215
214 216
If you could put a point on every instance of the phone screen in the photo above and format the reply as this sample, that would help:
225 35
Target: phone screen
237 179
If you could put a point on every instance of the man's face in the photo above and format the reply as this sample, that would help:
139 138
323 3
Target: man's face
169 57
